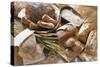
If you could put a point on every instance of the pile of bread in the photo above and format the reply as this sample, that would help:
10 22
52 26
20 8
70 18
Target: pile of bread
78 33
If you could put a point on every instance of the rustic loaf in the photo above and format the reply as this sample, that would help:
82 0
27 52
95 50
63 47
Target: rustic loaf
85 30
35 11
90 52
30 51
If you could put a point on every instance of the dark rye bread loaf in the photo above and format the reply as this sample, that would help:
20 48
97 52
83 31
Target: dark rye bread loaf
35 11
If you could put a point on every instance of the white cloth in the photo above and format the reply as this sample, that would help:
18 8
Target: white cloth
71 17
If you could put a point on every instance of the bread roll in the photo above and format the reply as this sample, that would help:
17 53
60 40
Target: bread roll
45 25
90 52
85 30
62 32
73 48
74 44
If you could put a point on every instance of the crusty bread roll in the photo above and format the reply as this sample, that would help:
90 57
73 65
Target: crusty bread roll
90 52
74 44
73 47
62 32
91 44
85 30
92 39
